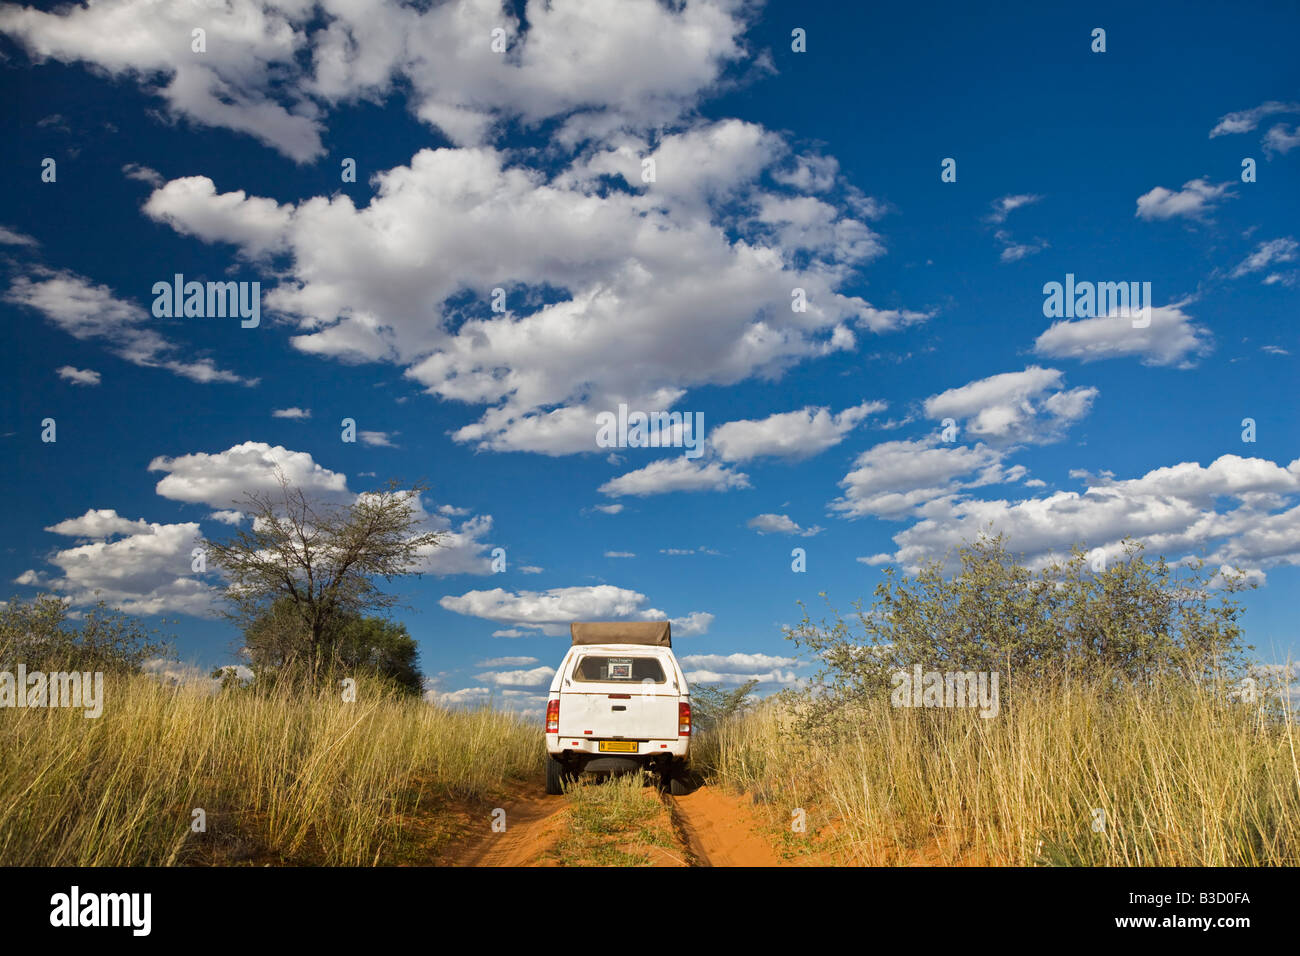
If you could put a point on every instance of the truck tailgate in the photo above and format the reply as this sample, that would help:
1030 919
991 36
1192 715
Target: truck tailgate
615 712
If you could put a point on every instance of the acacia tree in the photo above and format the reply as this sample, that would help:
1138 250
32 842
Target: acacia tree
320 557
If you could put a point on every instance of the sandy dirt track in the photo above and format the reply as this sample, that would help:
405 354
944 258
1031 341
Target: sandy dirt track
720 830
533 825
714 828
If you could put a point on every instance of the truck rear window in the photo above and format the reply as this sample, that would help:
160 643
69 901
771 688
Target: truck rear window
631 669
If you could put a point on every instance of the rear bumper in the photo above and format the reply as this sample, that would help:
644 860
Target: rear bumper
585 748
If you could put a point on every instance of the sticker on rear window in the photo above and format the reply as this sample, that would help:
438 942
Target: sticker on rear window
622 670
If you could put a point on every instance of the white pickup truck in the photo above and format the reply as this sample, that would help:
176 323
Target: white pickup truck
619 701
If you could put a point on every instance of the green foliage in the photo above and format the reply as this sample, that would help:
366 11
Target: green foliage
711 704
373 645
1134 621
43 634
277 643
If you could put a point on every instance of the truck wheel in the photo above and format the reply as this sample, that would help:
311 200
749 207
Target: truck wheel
677 784
555 777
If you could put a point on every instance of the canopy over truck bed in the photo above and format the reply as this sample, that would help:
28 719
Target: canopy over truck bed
654 633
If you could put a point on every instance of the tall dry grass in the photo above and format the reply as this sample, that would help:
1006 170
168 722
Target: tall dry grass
283 777
1183 778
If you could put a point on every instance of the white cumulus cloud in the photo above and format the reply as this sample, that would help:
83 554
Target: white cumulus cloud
793 435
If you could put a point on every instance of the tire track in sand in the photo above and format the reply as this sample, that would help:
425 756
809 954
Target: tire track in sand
533 824
719 829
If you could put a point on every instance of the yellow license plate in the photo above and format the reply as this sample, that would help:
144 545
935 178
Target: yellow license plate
618 746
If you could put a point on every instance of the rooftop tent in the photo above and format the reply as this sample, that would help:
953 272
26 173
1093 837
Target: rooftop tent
655 633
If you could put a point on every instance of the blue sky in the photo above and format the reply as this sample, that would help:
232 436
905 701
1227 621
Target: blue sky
773 170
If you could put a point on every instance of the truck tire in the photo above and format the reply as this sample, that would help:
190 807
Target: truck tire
677 784
555 777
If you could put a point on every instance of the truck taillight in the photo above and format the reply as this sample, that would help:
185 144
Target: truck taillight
683 719
553 716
